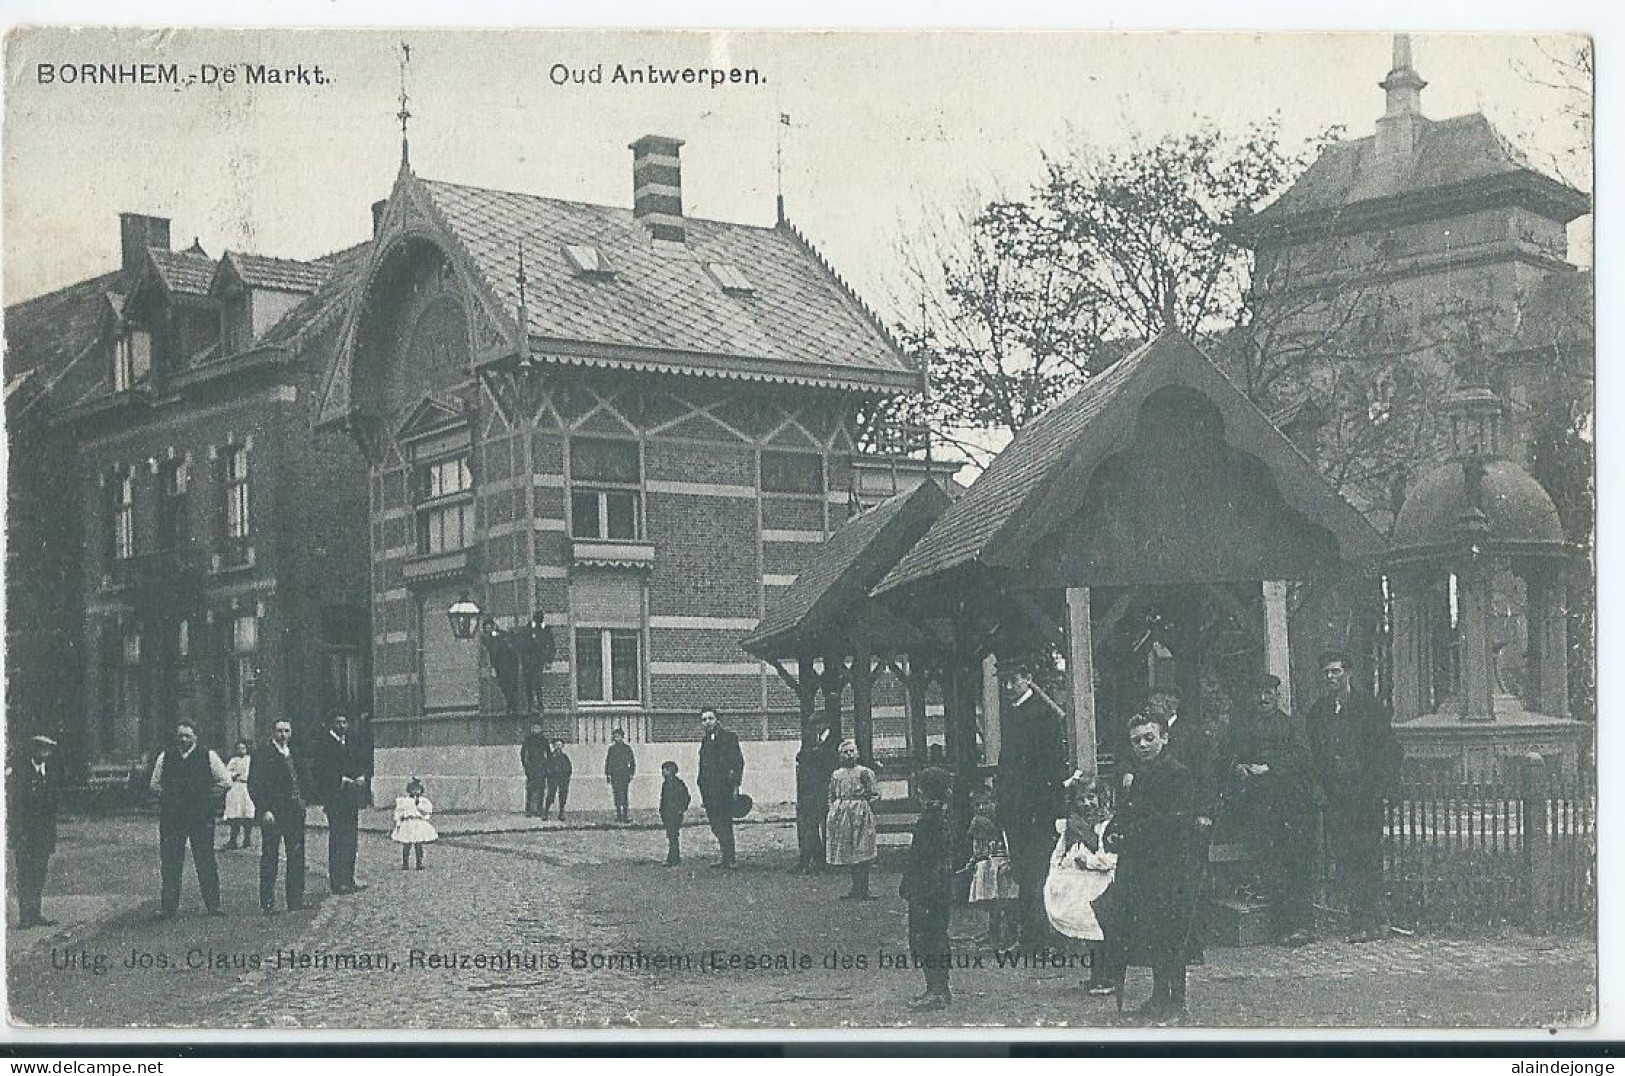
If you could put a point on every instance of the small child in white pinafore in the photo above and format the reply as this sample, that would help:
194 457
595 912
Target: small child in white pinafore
1081 871
992 881
413 829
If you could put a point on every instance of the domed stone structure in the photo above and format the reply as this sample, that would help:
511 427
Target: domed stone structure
1476 596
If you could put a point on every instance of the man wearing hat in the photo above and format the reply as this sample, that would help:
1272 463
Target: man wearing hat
1032 767
722 767
1357 759
536 649
36 792
1273 774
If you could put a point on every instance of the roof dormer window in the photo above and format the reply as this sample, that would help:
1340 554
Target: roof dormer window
588 260
730 278
132 360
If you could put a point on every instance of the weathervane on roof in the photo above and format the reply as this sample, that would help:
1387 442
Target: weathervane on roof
405 114
778 159
524 314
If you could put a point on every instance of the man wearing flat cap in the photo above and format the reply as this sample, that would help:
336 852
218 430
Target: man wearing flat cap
35 793
1272 773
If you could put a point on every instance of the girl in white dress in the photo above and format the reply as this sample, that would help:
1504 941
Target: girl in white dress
1080 872
413 829
239 808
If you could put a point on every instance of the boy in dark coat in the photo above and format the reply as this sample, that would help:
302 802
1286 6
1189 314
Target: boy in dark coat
1158 867
928 886
674 801
558 778
620 765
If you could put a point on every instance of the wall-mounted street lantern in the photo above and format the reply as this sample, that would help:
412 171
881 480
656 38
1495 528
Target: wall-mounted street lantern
464 616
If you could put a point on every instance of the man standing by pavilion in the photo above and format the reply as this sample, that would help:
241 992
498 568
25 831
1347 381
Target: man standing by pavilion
188 781
1357 759
722 767
1032 767
1273 771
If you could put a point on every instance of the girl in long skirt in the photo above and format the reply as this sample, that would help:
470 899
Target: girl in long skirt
992 881
413 829
851 820
239 808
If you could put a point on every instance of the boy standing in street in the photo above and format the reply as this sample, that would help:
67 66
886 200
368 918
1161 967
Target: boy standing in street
674 800
928 886
558 779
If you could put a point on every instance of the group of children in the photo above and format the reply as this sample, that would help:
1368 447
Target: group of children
412 831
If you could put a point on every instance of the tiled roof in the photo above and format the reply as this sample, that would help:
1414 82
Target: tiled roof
50 334
342 274
1448 153
189 272
280 274
1016 492
661 295
828 592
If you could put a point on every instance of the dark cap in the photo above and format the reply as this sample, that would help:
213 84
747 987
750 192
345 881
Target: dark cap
1268 682
934 781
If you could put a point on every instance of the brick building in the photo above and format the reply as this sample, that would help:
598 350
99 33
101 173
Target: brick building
636 422
201 552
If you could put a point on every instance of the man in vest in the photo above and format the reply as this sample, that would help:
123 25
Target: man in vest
189 781
278 794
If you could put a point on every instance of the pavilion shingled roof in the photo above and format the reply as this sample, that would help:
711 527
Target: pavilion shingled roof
830 593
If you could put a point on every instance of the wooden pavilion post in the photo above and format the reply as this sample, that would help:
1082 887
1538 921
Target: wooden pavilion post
1277 645
1080 668
863 686
916 684
992 728
834 683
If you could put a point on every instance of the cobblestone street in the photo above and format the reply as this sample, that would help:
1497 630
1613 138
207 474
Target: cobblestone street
564 897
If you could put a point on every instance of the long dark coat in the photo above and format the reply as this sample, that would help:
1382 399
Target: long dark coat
1152 903
32 806
722 767
1278 741
1356 754
1032 766
330 762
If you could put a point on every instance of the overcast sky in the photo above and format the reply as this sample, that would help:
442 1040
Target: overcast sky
885 127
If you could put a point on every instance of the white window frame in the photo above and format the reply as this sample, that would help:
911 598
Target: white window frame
438 506
236 473
133 359
124 515
603 638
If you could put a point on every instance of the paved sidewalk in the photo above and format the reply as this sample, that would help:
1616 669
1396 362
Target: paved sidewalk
471 823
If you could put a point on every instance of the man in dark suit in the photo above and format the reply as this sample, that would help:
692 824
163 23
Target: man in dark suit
620 765
35 794
1032 767
722 767
339 780
279 796
499 651
1153 899
559 771
1272 772
536 650
1357 759
533 758
189 781
815 762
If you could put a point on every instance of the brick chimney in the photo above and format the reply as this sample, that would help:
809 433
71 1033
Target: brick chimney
137 233
1401 122
657 186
